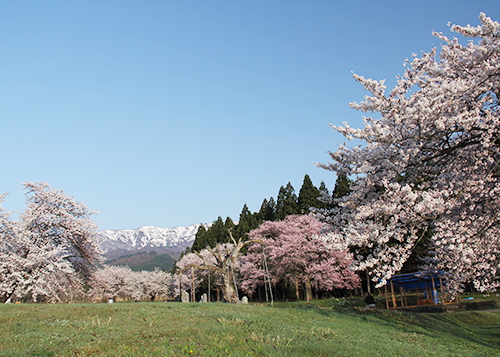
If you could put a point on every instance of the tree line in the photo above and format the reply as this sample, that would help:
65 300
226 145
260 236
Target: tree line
287 203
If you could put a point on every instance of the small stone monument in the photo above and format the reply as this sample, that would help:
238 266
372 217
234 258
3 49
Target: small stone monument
185 296
204 298
244 300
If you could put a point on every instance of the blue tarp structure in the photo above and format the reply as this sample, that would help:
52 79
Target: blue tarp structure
425 283
420 281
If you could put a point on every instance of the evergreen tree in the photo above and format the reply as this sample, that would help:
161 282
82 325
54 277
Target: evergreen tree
342 186
308 196
218 233
267 210
287 202
200 240
247 222
324 194
229 226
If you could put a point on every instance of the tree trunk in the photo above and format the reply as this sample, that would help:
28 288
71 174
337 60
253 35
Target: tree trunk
297 289
309 294
229 291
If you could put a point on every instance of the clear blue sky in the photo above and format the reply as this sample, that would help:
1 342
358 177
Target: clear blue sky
171 113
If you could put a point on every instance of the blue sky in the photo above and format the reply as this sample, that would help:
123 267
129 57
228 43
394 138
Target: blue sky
172 113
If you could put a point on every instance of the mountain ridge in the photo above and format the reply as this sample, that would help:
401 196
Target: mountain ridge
170 241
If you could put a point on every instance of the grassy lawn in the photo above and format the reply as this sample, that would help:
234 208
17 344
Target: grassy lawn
323 328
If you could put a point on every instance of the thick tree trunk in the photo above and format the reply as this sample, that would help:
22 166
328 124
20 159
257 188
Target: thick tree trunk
309 294
229 291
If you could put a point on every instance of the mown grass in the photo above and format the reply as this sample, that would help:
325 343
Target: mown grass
324 328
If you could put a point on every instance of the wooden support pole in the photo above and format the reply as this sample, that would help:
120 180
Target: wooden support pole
416 288
368 282
192 284
433 290
386 297
180 287
441 288
393 296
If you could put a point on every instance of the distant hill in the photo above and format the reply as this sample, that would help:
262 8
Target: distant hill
144 261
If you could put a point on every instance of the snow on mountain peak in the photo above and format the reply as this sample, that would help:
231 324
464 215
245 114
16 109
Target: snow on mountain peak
148 237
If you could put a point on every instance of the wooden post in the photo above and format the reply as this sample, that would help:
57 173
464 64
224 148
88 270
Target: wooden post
180 286
386 297
416 288
368 281
192 284
433 290
393 295
441 288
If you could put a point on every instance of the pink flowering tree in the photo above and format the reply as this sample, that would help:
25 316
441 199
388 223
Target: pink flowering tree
430 163
297 256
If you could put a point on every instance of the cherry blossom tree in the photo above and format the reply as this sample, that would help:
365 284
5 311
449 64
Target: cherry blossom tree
115 281
430 163
143 285
224 260
109 282
297 256
51 251
187 273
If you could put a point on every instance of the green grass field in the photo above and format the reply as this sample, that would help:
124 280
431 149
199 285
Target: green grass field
323 328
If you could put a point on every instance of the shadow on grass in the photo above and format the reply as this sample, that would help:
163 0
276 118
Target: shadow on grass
478 327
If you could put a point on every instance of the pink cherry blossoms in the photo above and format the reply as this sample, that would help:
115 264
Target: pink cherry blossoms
296 256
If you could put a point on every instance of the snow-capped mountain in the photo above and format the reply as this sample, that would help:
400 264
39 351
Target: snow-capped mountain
172 240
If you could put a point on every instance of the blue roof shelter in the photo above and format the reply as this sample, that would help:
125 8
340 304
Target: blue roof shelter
413 289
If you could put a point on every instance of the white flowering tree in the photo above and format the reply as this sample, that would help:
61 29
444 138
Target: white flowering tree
120 281
51 251
430 163
110 281
224 260
142 285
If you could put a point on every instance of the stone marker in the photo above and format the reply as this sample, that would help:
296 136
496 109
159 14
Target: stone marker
244 300
204 298
185 296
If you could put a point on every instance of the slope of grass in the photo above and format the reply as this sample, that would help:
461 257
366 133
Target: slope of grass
295 329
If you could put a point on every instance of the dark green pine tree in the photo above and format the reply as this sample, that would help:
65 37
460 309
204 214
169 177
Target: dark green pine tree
342 186
200 240
229 226
324 189
286 203
308 196
267 210
245 223
218 233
